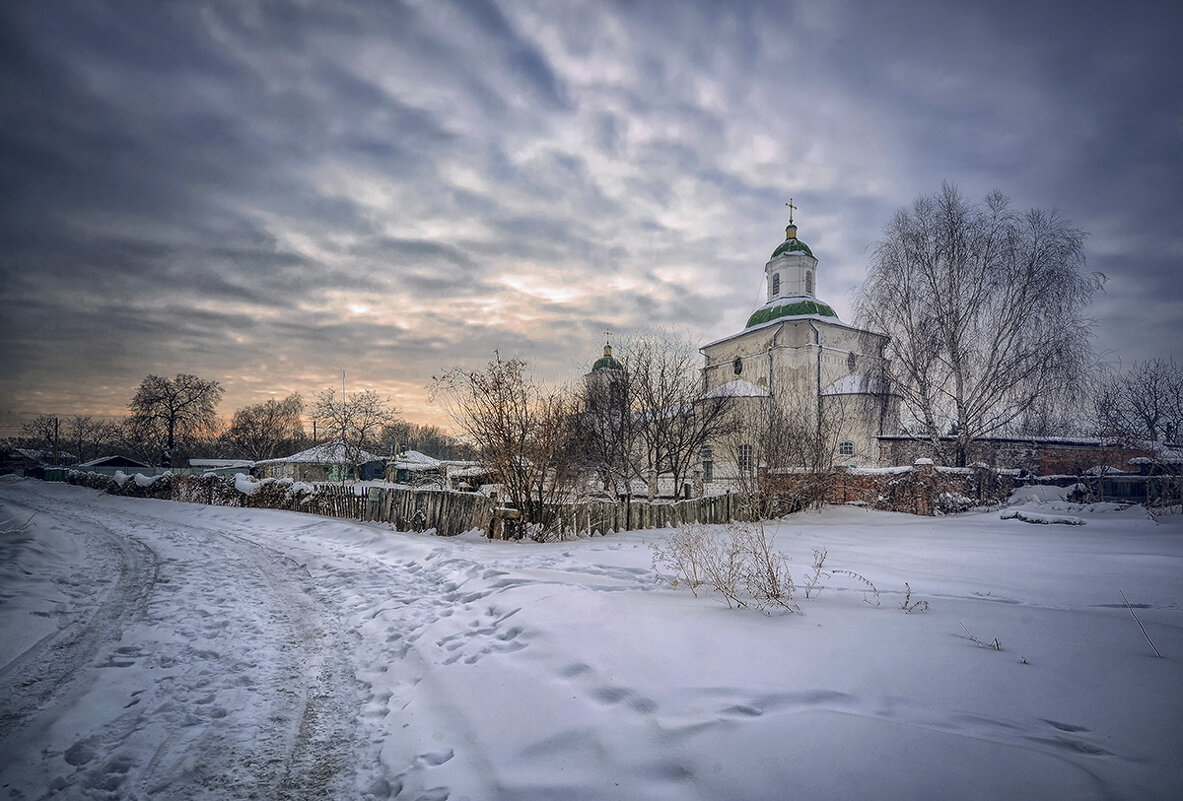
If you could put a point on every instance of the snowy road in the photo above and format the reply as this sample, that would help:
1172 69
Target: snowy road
192 643
152 649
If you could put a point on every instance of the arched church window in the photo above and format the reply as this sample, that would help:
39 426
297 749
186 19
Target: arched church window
850 362
737 365
776 285
708 463
809 282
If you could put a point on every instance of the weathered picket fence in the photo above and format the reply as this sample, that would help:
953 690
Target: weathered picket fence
451 513
446 512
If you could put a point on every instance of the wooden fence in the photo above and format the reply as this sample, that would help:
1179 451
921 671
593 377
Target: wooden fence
451 513
447 512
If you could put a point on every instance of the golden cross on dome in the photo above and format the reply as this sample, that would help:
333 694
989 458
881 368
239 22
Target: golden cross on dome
607 334
791 209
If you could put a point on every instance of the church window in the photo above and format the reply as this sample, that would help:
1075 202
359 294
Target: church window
776 285
745 458
809 282
708 464
737 365
850 362
846 448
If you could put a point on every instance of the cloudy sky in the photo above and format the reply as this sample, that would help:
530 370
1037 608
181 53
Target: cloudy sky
269 193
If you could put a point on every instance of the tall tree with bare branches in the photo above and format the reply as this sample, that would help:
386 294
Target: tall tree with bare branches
985 309
1142 403
521 428
675 414
167 411
355 419
261 430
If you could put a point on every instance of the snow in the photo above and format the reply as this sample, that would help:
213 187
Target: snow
143 480
737 388
245 484
415 460
855 384
159 649
1039 517
324 453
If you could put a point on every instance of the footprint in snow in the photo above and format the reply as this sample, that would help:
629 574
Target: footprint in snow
435 758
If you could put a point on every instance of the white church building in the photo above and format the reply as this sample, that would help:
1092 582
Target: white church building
795 352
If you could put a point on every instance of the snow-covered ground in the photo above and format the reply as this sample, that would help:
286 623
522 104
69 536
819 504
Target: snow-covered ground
151 649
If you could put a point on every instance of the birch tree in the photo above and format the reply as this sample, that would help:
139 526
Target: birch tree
985 309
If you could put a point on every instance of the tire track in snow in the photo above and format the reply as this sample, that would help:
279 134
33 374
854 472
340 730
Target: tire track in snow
36 684
253 693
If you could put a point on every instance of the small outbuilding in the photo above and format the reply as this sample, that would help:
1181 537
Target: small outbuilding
113 461
413 467
32 462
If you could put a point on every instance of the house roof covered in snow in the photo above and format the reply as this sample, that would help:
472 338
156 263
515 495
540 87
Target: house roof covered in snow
114 460
43 456
324 453
414 460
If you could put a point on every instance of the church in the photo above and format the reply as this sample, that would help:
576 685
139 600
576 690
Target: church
796 361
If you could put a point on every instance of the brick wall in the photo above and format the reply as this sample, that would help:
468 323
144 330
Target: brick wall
922 489
1040 457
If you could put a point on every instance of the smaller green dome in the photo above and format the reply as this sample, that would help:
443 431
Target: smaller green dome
792 245
606 362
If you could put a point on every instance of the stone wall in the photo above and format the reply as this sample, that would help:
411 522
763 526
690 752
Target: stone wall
922 489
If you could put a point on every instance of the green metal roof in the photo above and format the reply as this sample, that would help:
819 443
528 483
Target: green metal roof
800 308
793 245
606 362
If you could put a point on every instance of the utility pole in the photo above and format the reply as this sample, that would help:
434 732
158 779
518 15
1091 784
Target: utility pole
56 458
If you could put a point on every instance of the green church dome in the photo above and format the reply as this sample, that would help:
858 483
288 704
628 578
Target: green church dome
793 245
797 307
606 362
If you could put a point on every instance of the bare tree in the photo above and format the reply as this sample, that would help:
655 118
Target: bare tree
793 441
609 429
676 416
41 432
1143 402
263 430
984 307
168 411
88 435
428 439
355 420
521 429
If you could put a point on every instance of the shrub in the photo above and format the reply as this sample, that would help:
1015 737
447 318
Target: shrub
737 562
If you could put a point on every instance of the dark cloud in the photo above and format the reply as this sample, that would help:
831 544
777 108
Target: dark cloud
268 192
